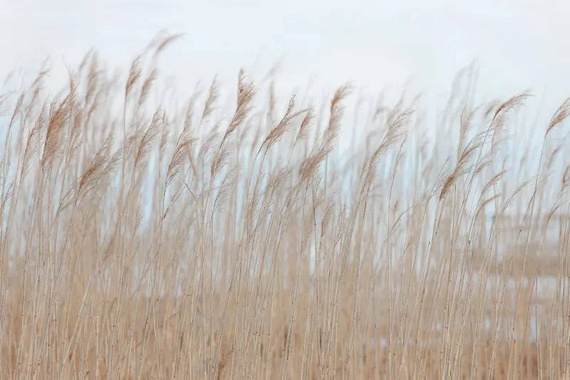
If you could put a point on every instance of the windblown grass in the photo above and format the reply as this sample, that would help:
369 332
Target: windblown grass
142 238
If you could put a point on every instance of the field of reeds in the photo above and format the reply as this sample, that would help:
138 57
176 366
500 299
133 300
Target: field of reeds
235 232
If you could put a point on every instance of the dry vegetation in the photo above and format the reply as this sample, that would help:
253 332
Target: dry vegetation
143 238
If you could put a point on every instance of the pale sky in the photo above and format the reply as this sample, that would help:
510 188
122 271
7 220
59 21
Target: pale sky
518 44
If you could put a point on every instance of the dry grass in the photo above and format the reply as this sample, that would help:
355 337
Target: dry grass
144 239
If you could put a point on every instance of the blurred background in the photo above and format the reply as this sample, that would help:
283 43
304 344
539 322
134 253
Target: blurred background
516 44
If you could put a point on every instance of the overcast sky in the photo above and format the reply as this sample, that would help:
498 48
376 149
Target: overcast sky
518 44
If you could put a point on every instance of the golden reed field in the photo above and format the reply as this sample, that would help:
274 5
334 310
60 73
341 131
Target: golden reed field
233 232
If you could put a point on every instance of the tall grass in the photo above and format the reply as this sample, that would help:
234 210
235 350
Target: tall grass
149 236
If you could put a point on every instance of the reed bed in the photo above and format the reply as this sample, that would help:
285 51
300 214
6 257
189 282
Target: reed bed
235 232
